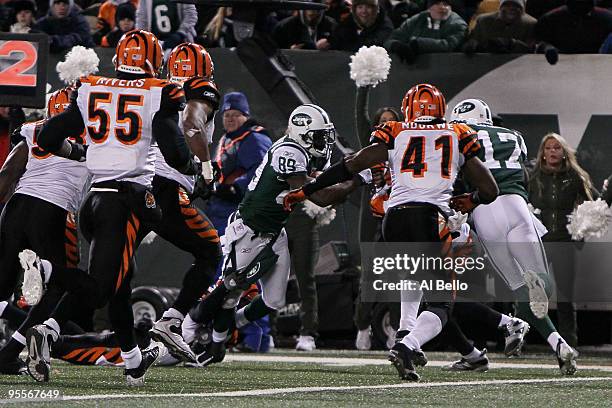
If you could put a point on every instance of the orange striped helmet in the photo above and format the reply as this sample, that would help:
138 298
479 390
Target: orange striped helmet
59 101
188 60
138 52
423 100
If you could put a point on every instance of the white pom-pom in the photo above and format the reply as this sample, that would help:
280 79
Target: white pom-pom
589 220
370 66
80 61
322 215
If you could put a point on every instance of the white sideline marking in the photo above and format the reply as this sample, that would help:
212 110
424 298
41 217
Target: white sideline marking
356 361
274 391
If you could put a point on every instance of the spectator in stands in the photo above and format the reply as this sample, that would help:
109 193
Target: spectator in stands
537 8
339 10
369 26
606 47
506 30
24 16
557 185
65 26
401 10
220 31
240 150
172 23
437 29
125 17
106 18
576 28
309 30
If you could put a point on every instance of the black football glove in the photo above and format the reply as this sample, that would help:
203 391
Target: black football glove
227 192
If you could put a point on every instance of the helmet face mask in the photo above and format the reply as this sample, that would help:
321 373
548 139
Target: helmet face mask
310 127
472 111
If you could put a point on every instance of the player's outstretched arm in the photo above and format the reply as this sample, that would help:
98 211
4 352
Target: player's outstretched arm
329 195
13 168
57 129
477 175
195 116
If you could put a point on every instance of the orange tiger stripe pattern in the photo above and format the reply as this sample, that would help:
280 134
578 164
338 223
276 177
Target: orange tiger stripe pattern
89 355
59 101
131 231
189 60
423 100
194 220
71 242
139 52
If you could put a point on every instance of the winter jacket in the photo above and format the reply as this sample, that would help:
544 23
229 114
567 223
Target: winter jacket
187 15
292 31
65 33
349 36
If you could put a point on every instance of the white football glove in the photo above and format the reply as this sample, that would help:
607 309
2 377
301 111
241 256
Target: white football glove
455 221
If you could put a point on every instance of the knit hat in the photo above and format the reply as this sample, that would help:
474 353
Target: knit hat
20 5
125 10
69 2
235 101
432 2
366 2
520 3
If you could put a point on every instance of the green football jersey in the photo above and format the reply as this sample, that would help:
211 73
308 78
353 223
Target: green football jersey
164 18
262 206
504 153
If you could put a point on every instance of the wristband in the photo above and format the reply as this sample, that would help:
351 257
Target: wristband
207 170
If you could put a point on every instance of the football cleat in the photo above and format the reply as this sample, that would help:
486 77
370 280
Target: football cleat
515 332
566 357
135 377
168 331
33 276
305 343
214 354
538 299
400 334
481 364
13 367
363 341
402 359
419 358
39 340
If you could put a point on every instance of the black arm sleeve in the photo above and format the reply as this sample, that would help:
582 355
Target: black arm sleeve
335 174
172 143
17 137
67 124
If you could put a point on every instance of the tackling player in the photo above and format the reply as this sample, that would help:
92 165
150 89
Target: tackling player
425 154
123 117
51 188
506 227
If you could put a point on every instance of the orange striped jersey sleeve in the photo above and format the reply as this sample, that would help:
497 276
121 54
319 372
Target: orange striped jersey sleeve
386 134
468 140
203 89
173 97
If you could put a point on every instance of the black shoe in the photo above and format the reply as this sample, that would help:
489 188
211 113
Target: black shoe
481 364
214 354
400 334
13 367
402 359
136 376
420 360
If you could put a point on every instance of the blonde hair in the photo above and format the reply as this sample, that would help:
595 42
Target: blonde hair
214 27
569 162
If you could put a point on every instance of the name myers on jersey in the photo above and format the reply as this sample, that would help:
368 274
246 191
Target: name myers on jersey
131 83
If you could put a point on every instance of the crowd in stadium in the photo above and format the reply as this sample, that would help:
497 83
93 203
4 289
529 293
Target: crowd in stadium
405 27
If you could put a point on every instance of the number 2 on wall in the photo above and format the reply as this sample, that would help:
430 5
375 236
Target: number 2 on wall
14 74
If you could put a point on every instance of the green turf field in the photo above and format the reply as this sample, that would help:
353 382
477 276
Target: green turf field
329 379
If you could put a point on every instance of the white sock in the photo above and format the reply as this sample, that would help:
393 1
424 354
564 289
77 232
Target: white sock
473 355
173 313
18 337
241 320
553 340
189 328
3 306
52 323
132 358
411 300
47 268
505 319
219 337
428 326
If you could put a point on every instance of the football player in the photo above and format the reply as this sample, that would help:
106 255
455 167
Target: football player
507 229
50 188
425 154
123 116
255 243
182 223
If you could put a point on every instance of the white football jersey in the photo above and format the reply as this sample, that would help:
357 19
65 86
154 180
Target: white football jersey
51 178
163 169
118 115
424 159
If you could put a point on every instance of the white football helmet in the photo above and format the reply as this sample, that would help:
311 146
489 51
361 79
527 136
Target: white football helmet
310 127
472 111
